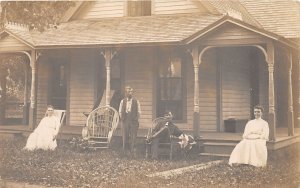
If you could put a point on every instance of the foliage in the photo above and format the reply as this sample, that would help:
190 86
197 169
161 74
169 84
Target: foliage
69 167
15 80
36 14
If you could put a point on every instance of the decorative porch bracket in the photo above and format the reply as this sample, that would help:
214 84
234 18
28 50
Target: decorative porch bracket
196 62
108 55
290 98
272 117
32 111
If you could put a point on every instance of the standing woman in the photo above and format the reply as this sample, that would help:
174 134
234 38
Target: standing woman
44 136
252 149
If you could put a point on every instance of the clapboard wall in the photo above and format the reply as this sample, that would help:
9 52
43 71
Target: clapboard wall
102 9
82 85
138 73
174 7
208 91
235 83
42 87
118 8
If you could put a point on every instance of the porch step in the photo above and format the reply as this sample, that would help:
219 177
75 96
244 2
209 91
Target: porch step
218 148
214 155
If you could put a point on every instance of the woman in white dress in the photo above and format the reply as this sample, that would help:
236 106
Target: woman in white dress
44 136
252 149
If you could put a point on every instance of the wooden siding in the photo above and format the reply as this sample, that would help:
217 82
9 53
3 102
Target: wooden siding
281 88
208 91
138 73
42 87
229 33
103 9
117 8
81 85
173 7
190 80
10 43
235 83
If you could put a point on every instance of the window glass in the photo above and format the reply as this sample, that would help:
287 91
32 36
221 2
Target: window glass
170 88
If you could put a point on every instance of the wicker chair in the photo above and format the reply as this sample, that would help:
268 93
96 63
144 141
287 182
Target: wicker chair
101 124
166 145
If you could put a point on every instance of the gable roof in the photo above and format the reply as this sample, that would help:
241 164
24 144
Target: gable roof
19 32
234 9
281 16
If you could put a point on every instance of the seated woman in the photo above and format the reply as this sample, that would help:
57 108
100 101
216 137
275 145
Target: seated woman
44 136
252 149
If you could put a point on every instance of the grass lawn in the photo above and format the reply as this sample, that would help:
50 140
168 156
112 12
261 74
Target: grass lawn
69 166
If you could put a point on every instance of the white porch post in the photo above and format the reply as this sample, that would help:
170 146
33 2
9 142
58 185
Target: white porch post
108 55
290 98
32 110
196 115
25 105
272 117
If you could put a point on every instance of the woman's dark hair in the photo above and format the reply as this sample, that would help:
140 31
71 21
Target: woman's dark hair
259 107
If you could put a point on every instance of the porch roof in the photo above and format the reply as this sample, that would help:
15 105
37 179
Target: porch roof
162 29
121 30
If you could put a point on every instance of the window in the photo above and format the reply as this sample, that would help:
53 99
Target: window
170 92
139 7
58 83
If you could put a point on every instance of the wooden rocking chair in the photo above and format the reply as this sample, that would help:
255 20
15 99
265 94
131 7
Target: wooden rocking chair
61 114
101 124
169 144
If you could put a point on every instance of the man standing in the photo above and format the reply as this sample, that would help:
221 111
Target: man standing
130 111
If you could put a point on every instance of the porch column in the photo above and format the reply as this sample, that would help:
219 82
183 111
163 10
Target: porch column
3 75
272 117
32 110
290 98
25 105
108 55
196 115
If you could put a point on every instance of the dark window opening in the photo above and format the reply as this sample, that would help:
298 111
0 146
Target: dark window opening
170 88
139 8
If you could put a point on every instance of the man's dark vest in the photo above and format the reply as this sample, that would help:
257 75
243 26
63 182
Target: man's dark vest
134 109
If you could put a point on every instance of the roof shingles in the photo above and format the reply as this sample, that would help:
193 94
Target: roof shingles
171 28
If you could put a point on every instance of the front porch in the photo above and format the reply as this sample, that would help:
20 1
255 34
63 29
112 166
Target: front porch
210 144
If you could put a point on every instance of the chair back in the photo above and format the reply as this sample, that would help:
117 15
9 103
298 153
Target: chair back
157 121
102 122
61 115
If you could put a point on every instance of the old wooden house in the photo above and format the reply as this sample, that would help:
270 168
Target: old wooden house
206 61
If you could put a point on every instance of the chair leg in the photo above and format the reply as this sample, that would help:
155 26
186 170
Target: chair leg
148 147
171 151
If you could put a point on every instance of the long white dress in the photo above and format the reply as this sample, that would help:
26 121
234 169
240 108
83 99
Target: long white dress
43 137
252 149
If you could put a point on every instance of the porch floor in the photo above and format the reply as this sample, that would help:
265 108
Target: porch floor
281 132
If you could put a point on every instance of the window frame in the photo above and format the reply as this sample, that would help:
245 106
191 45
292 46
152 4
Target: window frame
183 91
